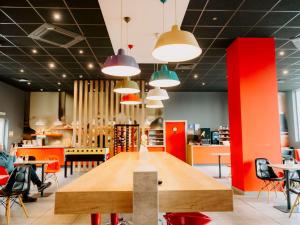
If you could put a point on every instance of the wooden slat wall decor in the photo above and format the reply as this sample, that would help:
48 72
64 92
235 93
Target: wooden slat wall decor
96 108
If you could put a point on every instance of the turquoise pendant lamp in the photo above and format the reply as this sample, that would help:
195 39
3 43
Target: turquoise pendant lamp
164 78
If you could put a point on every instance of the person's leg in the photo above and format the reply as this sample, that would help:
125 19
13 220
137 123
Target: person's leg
10 183
34 177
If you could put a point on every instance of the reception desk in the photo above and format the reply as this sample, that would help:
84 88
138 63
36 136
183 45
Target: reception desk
203 154
43 152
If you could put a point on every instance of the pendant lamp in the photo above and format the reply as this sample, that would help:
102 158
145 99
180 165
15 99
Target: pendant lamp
121 65
176 45
126 86
157 94
131 99
164 78
154 104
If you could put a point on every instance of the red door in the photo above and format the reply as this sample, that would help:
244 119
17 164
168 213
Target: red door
176 138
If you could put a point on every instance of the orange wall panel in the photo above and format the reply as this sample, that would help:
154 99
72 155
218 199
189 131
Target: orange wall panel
203 154
43 153
156 148
253 108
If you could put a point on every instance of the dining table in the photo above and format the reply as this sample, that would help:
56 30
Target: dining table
219 155
109 188
37 162
287 168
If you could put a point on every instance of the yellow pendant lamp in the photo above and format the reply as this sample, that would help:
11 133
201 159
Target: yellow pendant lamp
176 45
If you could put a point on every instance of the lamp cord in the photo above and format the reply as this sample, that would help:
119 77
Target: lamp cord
121 23
163 17
175 12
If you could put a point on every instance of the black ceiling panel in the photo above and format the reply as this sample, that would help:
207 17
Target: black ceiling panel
214 18
246 18
258 5
88 16
23 15
276 18
223 5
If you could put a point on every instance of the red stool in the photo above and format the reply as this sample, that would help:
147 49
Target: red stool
4 172
187 218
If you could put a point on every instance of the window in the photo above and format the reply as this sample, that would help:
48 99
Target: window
3 133
296 103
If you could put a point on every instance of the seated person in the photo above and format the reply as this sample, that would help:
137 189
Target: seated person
7 161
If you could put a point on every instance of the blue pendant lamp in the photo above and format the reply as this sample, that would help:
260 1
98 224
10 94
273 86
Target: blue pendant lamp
164 78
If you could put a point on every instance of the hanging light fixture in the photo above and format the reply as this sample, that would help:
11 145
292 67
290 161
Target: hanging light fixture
126 86
154 104
121 64
157 94
131 99
164 78
176 45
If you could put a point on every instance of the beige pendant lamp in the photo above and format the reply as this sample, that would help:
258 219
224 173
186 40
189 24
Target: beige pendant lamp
126 86
157 94
176 45
154 104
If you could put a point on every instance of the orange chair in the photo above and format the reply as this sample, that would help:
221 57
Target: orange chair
3 172
52 169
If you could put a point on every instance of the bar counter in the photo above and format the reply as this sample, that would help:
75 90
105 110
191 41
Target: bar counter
203 154
43 152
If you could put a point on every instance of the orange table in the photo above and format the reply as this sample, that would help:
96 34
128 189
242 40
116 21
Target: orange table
203 154
43 152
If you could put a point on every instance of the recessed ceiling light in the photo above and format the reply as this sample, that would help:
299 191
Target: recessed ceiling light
281 53
64 75
80 51
90 65
195 76
58 83
41 89
215 18
285 72
51 65
34 51
58 89
29 83
21 70
56 16
80 76
203 83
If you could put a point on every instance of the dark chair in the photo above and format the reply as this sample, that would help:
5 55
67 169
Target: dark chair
21 177
265 173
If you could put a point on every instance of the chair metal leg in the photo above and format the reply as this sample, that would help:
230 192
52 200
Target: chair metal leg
266 184
23 206
294 205
7 210
56 180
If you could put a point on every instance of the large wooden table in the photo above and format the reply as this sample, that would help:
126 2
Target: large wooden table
108 187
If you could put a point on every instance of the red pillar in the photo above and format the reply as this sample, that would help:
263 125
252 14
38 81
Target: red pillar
96 219
253 108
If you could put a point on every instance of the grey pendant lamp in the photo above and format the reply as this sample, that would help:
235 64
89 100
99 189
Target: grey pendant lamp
121 64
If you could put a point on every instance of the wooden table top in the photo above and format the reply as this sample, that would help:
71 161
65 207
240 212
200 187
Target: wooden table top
108 187
285 166
35 162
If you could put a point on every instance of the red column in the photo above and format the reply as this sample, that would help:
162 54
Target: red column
253 108
96 219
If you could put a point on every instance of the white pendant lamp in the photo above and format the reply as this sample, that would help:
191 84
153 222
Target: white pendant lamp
154 104
157 94
126 86
176 45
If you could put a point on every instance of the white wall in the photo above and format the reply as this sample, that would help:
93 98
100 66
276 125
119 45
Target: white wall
210 109
12 103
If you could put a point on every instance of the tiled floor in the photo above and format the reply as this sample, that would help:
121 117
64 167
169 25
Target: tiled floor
247 209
